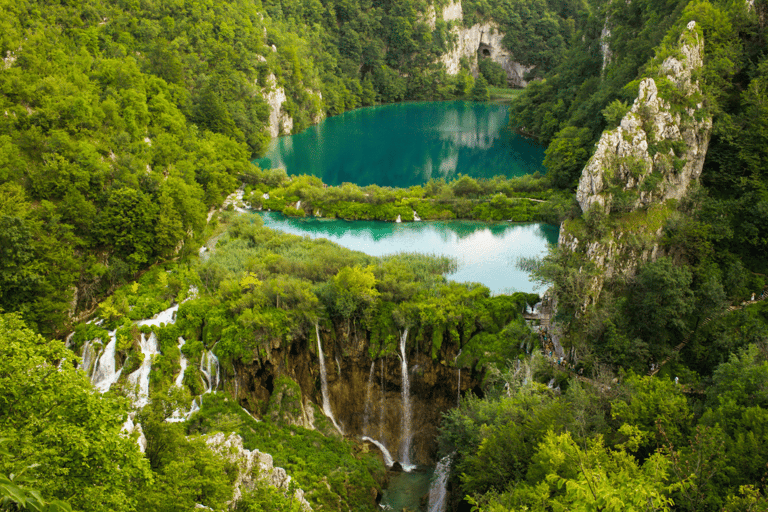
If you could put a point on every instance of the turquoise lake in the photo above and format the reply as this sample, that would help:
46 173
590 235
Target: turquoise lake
408 144
486 253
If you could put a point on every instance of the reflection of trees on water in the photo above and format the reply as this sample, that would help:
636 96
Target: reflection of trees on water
446 231
408 144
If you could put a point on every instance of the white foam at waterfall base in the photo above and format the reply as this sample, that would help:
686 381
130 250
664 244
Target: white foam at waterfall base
324 383
438 489
405 455
388 460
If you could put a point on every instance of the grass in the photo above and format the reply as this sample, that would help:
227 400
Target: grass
504 94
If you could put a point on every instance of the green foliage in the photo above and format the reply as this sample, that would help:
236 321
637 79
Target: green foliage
566 155
49 413
614 113
329 469
480 90
493 73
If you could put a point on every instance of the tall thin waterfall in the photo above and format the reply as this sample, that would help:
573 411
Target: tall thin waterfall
388 460
183 363
368 393
458 392
324 382
438 491
405 455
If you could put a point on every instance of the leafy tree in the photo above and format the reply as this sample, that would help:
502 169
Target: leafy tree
480 90
61 429
566 156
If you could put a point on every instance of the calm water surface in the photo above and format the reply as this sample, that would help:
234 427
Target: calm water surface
486 253
408 144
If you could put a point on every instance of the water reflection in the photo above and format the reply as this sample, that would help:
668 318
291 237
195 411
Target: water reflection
407 144
485 252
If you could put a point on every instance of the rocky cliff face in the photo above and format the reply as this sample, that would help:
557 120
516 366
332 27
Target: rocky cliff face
653 156
658 149
479 41
253 467
364 400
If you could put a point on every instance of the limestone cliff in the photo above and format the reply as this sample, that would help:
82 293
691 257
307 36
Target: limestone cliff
652 157
365 393
253 468
482 40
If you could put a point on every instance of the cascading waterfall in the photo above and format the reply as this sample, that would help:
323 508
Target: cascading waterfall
140 377
149 347
388 460
209 362
183 363
104 373
438 490
368 393
405 455
324 383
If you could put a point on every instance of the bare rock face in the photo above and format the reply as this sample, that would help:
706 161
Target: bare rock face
253 467
482 40
658 149
280 123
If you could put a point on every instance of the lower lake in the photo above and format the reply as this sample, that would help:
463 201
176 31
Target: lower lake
485 253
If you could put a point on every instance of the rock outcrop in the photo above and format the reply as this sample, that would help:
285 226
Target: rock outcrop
653 156
254 468
480 41
658 149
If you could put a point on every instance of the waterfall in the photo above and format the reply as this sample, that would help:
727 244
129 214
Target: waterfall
208 361
405 456
104 374
88 357
388 460
437 491
183 363
324 383
458 392
140 377
368 393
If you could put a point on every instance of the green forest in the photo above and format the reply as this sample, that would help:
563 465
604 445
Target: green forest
125 125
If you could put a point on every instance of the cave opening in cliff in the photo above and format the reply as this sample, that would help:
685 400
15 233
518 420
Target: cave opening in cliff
484 50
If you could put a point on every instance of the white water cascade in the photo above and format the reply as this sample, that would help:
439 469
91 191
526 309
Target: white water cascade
438 490
183 363
368 393
140 378
388 460
405 455
209 367
458 392
324 383
104 373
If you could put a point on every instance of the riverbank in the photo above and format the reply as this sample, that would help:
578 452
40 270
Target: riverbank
528 198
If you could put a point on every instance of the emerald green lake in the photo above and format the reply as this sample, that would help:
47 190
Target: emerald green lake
408 144
486 253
